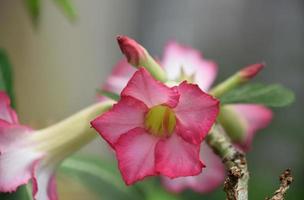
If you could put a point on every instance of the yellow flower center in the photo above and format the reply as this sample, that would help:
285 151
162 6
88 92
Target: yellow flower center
160 121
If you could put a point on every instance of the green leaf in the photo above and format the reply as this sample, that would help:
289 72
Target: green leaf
100 177
6 76
273 95
110 95
68 8
33 7
23 193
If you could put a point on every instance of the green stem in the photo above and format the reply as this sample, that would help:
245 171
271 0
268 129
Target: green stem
153 67
227 85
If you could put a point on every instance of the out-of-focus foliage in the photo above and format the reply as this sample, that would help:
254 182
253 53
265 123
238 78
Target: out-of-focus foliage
34 9
100 178
92 178
269 95
6 76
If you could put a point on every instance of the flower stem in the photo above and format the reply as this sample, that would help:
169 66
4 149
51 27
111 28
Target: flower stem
65 137
242 76
227 85
285 181
236 183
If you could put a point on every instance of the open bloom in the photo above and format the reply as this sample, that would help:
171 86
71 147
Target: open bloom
184 63
155 129
26 154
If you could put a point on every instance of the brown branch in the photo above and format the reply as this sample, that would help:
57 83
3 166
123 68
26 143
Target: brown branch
236 183
285 181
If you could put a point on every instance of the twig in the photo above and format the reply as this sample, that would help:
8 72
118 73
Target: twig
285 181
236 183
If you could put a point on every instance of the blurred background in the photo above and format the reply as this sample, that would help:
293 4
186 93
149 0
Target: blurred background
59 64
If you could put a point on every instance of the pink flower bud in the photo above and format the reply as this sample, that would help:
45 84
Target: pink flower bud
251 71
131 49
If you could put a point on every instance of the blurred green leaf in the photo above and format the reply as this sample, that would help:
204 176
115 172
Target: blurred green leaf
33 7
100 177
6 76
23 193
110 95
269 95
68 8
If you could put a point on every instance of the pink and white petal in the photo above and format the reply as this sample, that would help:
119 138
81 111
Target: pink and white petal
145 88
15 168
12 135
135 152
211 177
127 114
119 77
256 117
206 74
6 112
196 112
174 157
178 58
44 183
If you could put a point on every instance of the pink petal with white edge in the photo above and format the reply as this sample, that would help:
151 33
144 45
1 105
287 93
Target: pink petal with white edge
256 118
12 135
44 183
145 88
135 154
178 58
16 168
196 112
127 114
175 157
211 177
6 112
119 77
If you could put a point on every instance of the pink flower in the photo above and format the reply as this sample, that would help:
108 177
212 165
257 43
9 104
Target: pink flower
19 162
184 63
27 154
155 129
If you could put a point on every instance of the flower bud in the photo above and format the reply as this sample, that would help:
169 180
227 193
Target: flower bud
239 78
138 56
251 71
132 50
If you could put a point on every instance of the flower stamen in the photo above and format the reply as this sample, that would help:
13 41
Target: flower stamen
160 121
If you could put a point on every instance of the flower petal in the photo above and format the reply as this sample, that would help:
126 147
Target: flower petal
135 154
256 117
196 113
12 135
127 114
15 168
175 157
6 112
119 77
44 184
178 58
145 88
211 177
